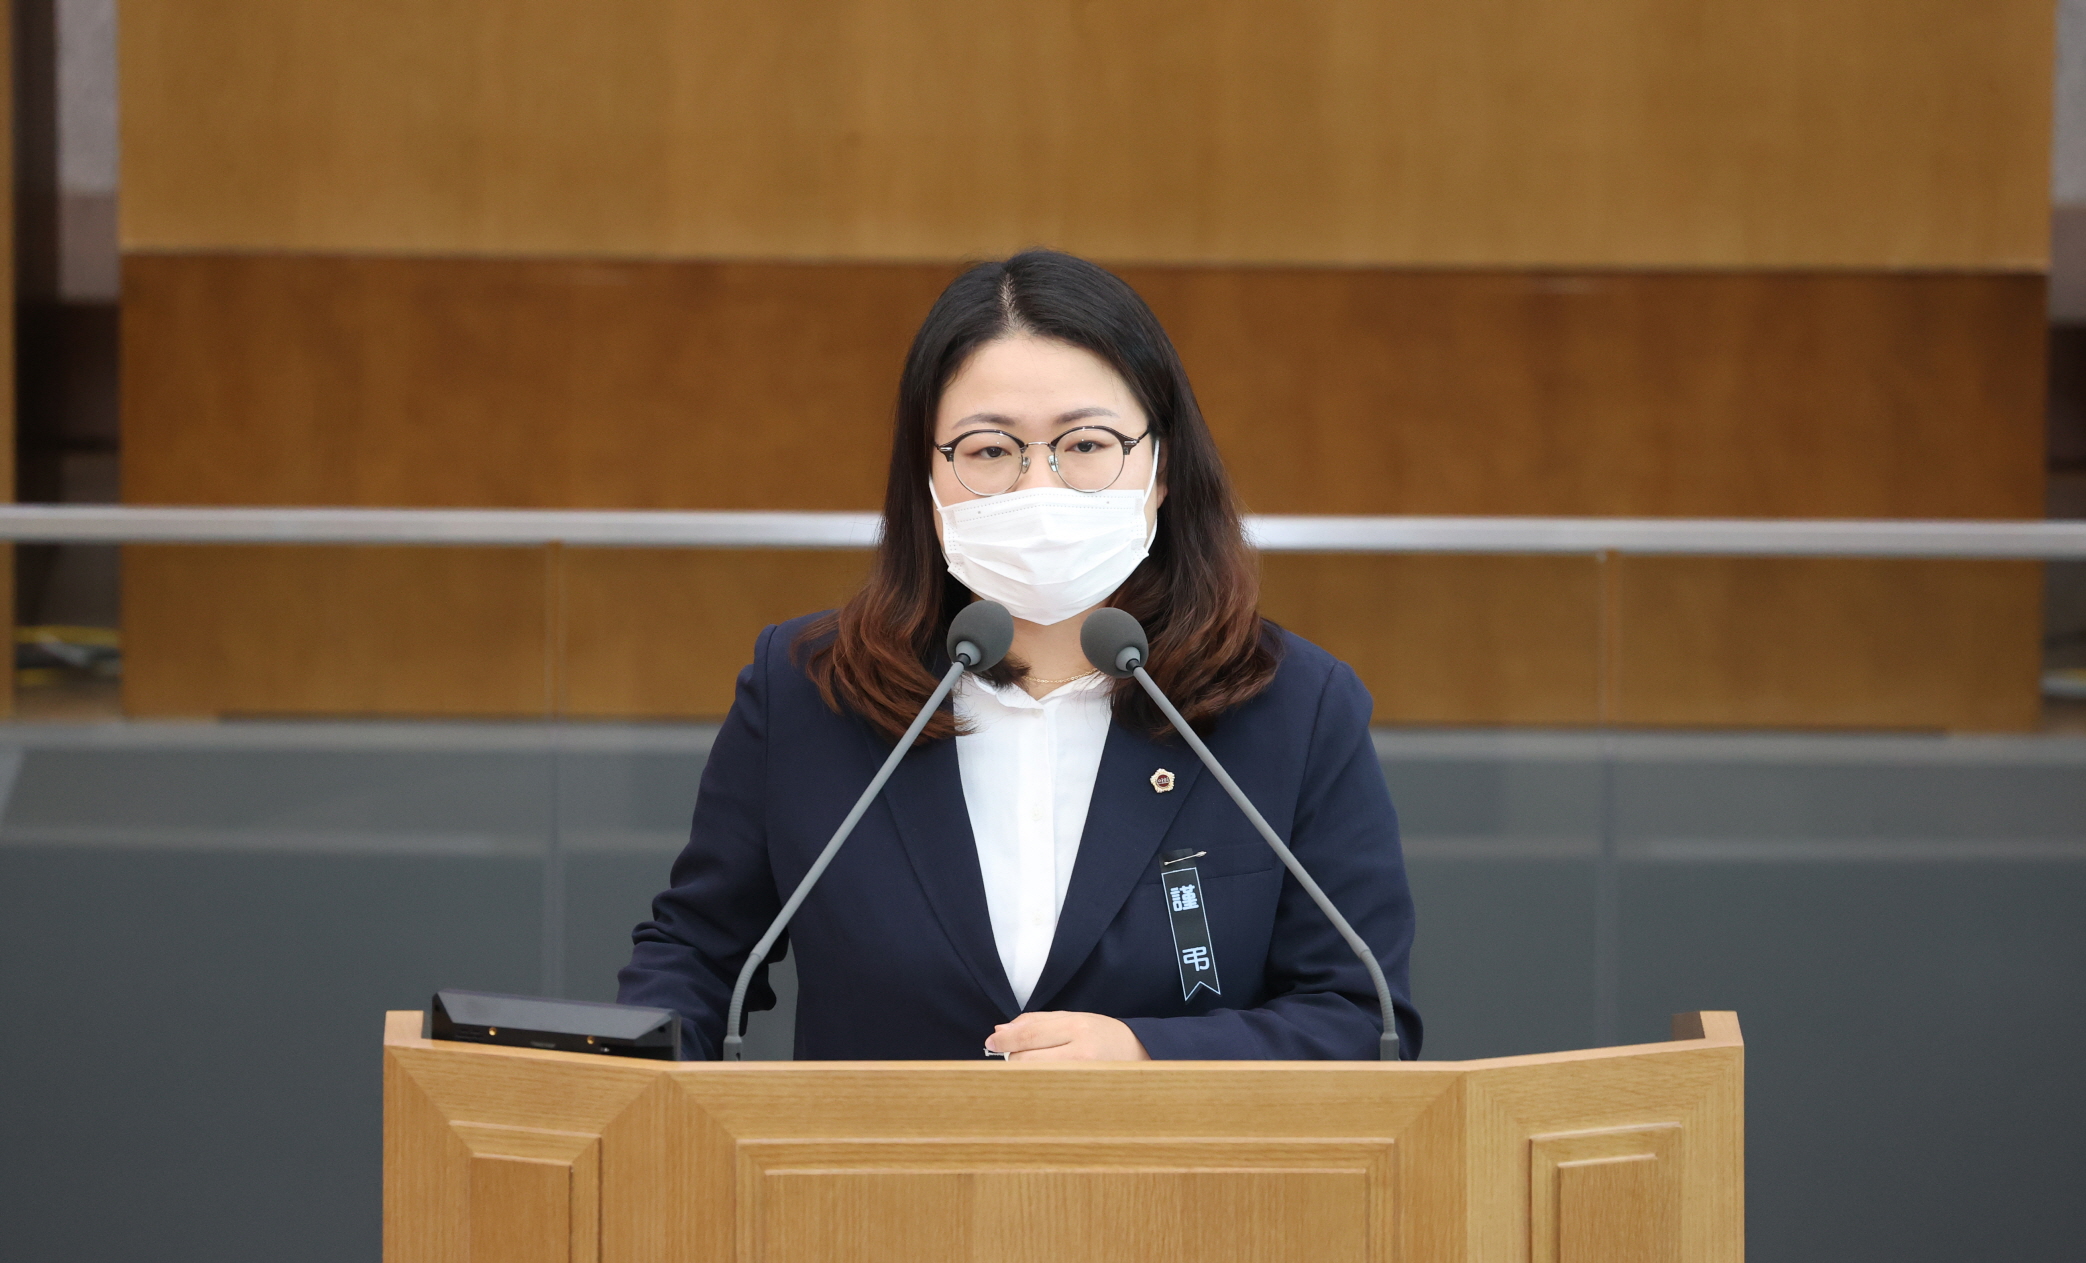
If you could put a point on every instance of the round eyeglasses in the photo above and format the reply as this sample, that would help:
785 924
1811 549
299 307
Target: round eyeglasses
1089 458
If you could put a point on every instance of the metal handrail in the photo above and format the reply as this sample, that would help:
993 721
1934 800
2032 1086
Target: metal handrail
1728 537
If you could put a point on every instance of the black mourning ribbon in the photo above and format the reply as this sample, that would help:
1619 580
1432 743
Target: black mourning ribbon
1181 884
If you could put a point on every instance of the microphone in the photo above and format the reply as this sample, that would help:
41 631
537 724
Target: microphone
979 636
1115 643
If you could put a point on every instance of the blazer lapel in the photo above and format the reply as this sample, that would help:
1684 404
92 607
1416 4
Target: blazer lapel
1124 824
925 797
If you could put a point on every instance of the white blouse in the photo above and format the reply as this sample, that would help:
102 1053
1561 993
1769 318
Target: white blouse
1028 766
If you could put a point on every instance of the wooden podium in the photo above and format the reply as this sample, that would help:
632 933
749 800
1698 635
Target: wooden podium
1612 1155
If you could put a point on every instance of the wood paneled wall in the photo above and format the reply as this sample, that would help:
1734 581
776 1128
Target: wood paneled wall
271 379
734 385
449 632
663 634
1440 640
1629 133
300 380
1623 393
1799 643
1620 257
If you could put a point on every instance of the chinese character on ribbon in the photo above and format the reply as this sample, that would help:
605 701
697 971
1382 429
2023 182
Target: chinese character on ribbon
1199 957
1183 898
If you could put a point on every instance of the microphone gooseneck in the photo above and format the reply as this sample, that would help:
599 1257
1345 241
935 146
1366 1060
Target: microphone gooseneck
979 636
1115 643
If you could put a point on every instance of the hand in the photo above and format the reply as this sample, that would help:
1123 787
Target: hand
1066 1037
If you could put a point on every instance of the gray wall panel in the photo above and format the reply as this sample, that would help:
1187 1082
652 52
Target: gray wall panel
605 896
1503 959
202 1080
439 798
1912 1036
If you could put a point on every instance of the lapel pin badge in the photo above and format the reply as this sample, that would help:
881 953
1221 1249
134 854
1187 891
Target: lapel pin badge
1162 780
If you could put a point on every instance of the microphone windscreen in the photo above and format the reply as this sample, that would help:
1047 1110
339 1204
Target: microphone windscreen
986 624
1107 632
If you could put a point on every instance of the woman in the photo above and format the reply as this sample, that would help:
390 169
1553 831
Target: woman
1006 890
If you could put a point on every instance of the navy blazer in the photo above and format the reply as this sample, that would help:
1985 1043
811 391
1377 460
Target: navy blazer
895 954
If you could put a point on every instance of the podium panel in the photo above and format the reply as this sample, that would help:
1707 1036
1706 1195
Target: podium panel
1611 1196
1617 1155
1017 1211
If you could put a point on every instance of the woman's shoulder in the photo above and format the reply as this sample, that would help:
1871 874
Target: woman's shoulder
778 657
781 638
1308 677
1302 664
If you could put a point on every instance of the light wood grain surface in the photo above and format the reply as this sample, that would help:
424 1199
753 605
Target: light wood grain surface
1622 1153
1805 133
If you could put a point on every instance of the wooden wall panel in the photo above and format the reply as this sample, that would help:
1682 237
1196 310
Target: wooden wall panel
1653 394
1826 133
1452 640
532 384
300 380
1698 642
1801 643
276 630
659 634
270 380
1359 219
594 633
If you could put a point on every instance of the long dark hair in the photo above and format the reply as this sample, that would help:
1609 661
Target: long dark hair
1197 593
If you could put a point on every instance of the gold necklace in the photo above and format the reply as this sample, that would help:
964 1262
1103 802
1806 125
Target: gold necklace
1030 679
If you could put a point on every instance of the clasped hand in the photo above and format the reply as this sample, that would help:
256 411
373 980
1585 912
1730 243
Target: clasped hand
1066 1037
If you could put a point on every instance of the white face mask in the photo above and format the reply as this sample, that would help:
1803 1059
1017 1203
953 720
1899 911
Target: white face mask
1048 553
